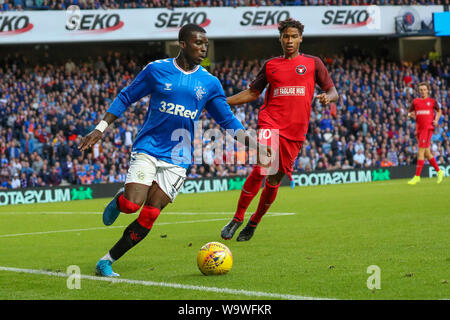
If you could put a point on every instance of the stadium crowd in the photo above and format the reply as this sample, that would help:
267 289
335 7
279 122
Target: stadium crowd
11 5
45 109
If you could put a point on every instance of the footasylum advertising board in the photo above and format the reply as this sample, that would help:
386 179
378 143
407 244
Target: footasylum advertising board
299 179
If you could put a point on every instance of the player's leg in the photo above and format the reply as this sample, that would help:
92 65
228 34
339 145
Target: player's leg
268 196
288 152
139 228
128 202
156 201
420 158
168 181
129 199
252 184
419 166
137 187
424 139
433 162
249 190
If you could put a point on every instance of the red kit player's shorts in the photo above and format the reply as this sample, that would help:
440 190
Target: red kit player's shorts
285 152
424 138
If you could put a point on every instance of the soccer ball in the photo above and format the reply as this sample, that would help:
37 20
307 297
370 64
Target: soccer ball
214 258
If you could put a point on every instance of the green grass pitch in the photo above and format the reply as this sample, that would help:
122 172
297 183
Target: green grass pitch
315 242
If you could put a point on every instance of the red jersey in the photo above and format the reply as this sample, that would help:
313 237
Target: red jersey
287 105
424 109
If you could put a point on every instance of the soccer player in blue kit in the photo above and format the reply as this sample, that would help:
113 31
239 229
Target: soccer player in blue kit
180 90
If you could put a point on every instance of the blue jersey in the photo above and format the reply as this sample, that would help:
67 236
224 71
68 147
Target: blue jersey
177 98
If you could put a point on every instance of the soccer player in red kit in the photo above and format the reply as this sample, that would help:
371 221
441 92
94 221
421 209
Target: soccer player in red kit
427 114
284 116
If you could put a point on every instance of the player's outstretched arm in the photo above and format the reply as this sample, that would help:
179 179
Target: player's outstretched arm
220 111
242 97
140 87
95 135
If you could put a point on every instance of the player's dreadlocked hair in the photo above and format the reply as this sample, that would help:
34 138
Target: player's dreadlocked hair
290 23
187 29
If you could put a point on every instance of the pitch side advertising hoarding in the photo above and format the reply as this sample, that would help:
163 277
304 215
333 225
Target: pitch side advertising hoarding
243 22
300 179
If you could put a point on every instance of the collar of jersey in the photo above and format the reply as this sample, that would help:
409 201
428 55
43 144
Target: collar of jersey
299 54
185 72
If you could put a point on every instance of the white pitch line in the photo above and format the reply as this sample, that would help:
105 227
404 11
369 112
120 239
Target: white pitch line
114 227
163 213
169 285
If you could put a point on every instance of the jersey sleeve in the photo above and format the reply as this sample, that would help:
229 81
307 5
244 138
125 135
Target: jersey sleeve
322 76
260 82
219 109
140 87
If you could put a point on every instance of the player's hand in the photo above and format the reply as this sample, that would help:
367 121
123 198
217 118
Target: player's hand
264 155
323 98
90 140
411 114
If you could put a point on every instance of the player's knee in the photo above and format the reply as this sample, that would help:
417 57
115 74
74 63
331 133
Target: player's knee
148 216
275 180
128 206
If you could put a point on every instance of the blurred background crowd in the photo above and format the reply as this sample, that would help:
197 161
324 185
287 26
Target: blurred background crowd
11 5
45 109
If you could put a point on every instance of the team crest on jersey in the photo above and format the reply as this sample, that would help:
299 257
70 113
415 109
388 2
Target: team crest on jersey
199 92
301 69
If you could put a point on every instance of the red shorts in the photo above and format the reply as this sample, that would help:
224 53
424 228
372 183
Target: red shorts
424 138
285 152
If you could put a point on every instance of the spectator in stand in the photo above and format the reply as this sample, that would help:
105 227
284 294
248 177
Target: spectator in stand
15 183
303 161
6 184
386 163
34 181
23 180
193 173
8 5
359 159
55 177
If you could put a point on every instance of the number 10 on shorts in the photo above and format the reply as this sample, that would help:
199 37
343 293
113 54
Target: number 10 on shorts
268 137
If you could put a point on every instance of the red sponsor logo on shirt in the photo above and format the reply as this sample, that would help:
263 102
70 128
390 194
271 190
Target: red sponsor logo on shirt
289 91
423 112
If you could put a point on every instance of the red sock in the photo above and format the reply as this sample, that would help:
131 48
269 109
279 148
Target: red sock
419 167
249 190
148 216
268 196
126 206
433 162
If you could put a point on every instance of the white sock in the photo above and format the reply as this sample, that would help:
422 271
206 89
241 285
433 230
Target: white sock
108 257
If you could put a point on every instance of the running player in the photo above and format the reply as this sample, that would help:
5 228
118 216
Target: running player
426 111
180 90
284 117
